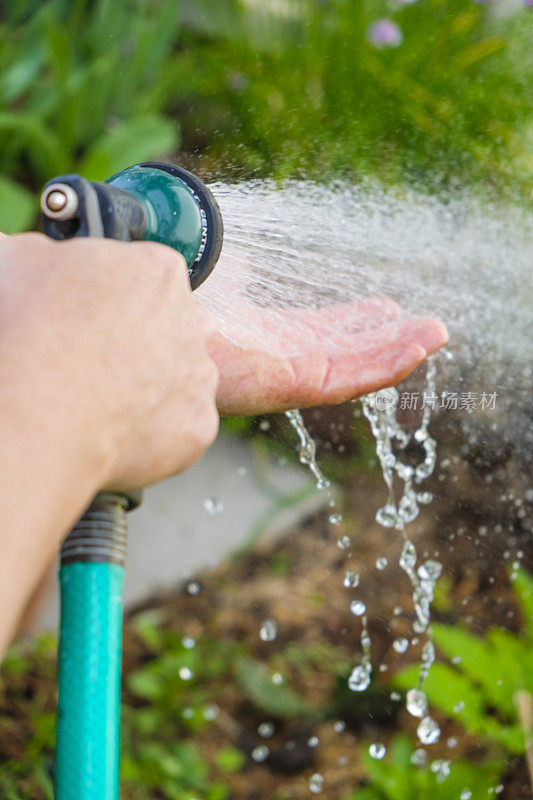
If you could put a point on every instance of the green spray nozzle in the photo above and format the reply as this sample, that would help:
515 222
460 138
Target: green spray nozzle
151 201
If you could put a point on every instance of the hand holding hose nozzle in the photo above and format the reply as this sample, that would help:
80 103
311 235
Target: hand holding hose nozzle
155 202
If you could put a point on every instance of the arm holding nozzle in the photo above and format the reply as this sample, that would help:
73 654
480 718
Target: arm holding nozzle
103 364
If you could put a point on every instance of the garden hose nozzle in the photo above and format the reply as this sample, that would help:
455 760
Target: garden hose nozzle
151 201
161 203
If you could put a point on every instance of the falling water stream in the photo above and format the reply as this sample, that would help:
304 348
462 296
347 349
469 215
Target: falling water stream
289 251
380 409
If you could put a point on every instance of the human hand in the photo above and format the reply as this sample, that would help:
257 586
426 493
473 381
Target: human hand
345 351
106 338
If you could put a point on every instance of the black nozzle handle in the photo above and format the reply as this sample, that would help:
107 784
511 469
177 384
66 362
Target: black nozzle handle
73 206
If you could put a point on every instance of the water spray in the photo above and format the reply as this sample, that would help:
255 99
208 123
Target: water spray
156 202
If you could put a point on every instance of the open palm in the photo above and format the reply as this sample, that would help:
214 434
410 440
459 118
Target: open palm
356 348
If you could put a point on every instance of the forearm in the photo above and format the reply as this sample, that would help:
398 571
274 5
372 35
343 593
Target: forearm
46 484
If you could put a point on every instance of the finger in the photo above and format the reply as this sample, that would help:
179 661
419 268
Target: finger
428 332
347 379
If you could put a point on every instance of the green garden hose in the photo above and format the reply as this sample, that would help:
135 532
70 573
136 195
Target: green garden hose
91 580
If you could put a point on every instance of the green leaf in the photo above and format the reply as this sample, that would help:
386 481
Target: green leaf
479 778
477 658
146 683
141 139
217 791
16 79
523 586
455 694
515 657
30 133
396 778
229 759
18 206
256 681
147 625
446 688
394 775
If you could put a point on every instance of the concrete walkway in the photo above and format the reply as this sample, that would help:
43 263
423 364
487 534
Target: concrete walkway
175 534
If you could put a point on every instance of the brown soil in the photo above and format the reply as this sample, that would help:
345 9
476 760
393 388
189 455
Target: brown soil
466 527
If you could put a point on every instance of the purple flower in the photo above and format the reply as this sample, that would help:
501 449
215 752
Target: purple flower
385 33
528 3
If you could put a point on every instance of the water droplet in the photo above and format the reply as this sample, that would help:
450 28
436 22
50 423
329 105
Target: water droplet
387 516
185 673
357 607
456 660
381 563
419 758
359 679
241 471
264 425
401 645
316 783
188 642
335 519
458 707
416 703
377 750
430 571
466 794
268 630
339 726
313 741
441 769
277 679
211 712
343 542
260 753
351 580
408 557
424 497
428 653
451 741
428 731
193 587
396 696
266 729
213 506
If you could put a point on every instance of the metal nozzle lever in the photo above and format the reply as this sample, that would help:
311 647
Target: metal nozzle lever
73 206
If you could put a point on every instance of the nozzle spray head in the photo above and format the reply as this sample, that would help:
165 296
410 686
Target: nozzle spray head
152 201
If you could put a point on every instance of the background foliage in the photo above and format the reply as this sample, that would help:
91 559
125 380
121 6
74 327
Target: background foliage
284 89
